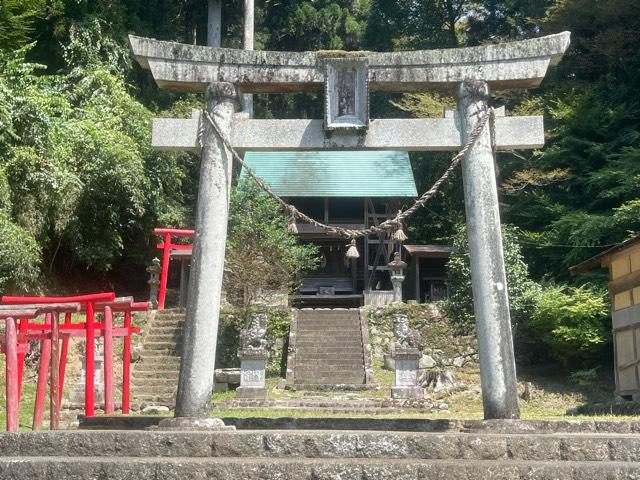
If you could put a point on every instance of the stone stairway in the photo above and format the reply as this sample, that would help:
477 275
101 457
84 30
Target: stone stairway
155 375
320 455
326 350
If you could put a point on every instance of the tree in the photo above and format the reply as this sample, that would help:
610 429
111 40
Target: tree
17 19
260 253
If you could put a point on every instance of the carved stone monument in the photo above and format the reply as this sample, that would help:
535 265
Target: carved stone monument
471 72
406 355
76 396
253 357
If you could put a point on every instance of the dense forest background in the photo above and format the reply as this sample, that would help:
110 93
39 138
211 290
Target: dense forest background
81 189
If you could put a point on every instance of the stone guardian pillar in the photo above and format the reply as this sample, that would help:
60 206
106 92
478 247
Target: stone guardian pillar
488 277
205 280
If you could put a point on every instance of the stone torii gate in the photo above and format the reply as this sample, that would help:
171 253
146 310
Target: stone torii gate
346 77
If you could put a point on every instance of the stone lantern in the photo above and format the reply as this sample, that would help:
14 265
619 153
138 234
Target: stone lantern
396 267
154 282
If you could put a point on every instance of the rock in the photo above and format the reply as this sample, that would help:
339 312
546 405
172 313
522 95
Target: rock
155 410
228 375
437 380
426 361
389 363
135 355
526 394
282 383
458 362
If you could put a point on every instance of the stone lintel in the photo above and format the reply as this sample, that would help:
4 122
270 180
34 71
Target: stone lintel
183 68
426 134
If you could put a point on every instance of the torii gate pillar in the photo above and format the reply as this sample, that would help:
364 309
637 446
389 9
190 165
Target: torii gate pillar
197 366
488 277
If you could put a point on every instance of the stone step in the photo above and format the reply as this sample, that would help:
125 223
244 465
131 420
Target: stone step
307 469
336 444
155 337
166 401
303 334
329 350
164 330
153 374
324 327
155 382
321 346
175 324
321 357
170 346
353 366
312 345
328 380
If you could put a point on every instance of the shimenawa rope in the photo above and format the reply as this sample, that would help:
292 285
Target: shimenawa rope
393 224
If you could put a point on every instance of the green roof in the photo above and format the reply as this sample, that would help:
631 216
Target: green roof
335 174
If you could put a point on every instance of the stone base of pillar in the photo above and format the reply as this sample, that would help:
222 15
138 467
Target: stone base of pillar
193 423
406 363
253 363
408 392
251 393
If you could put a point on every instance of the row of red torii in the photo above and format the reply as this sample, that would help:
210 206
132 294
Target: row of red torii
29 319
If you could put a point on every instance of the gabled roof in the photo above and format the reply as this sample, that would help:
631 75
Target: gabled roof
335 174
433 251
601 259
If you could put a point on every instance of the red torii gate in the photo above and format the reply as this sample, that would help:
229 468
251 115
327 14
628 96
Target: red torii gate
166 246
15 346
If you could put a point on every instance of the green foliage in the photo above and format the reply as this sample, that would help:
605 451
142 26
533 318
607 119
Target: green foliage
584 377
78 171
16 21
569 324
260 252
233 320
522 291
20 257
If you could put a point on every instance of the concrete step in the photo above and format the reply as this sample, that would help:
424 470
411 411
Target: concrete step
306 469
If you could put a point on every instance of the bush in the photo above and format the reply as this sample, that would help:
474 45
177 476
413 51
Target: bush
20 258
522 290
233 320
569 325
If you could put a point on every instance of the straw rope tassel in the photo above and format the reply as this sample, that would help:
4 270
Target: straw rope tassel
292 228
352 251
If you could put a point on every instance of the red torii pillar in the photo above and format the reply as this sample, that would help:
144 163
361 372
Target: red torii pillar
12 349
